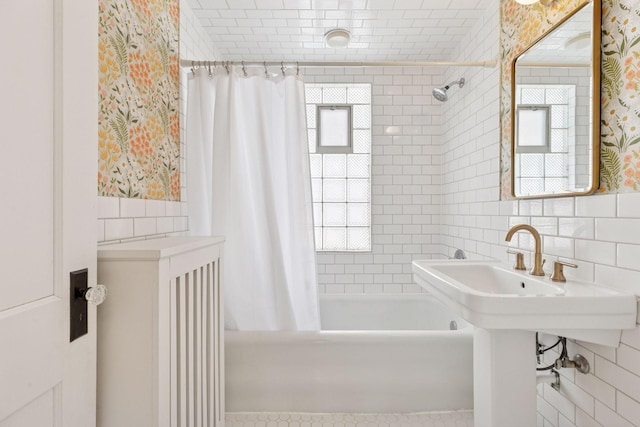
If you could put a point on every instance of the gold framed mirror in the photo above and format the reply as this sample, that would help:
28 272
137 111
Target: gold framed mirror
555 109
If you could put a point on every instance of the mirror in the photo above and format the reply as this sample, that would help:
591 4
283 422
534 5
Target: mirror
555 146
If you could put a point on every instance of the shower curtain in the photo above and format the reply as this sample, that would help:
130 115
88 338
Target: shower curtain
248 180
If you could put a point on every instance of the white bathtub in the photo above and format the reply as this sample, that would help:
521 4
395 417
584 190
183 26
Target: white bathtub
375 354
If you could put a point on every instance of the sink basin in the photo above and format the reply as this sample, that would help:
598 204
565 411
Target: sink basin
491 278
491 295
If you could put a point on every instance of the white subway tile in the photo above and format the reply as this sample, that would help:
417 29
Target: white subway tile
629 205
559 207
618 230
144 226
584 420
629 359
156 208
132 208
618 278
595 251
108 207
618 377
116 229
607 417
165 225
576 227
628 256
631 337
596 205
628 408
597 388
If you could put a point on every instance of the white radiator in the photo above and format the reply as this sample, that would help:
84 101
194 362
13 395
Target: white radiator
160 334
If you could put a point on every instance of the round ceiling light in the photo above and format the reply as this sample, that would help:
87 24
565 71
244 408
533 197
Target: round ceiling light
337 38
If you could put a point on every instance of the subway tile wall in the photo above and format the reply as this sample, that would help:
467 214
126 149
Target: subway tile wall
121 219
405 186
600 233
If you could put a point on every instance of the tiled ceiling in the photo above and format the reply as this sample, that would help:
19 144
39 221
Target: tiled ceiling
293 30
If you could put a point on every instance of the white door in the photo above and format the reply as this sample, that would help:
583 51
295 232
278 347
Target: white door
48 134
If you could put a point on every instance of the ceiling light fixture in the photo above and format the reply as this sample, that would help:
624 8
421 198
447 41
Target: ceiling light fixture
337 38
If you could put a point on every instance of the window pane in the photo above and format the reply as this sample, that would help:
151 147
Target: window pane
358 190
335 239
361 141
313 95
334 165
311 139
334 127
532 96
532 127
361 116
334 95
559 116
532 165
316 165
311 116
358 214
334 190
555 165
359 95
316 189
358 166
359 239
317 213
334 214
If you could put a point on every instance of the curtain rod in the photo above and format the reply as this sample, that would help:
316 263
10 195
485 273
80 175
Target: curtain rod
305 64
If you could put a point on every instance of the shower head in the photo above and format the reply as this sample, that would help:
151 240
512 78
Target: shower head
440 93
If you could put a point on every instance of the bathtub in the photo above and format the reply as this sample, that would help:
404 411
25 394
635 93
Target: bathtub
374 354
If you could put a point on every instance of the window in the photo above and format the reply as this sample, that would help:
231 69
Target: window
532 124
339 137
334 128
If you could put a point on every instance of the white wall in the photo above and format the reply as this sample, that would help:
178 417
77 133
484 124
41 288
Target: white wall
405 167
599 233
121 219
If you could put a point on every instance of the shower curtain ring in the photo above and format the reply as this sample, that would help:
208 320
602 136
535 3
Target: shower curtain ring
227 66
266 72
209 68
244 69
193 70
282 67
297 68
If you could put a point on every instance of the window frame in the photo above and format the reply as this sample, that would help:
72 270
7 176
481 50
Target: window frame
546 148
328 149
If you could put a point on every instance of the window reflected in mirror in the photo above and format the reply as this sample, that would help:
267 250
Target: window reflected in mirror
555 113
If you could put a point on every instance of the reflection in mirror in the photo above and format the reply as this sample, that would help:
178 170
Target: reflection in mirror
556 109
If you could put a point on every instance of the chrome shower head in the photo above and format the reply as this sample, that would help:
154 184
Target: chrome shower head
440 93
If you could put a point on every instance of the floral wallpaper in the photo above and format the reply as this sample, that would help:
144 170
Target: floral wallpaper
620 103
139 97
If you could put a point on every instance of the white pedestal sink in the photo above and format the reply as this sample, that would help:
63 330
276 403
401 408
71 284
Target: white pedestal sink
507 308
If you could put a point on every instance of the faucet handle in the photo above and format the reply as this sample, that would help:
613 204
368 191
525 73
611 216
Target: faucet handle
519 259
558 273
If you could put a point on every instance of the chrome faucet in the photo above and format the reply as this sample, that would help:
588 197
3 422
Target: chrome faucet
538 262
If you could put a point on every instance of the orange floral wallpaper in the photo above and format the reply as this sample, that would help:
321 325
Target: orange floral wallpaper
139 96
620 83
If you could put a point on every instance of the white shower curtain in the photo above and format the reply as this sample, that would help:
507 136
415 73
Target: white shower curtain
248 180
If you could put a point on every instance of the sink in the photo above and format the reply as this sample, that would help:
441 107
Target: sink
491 295
507 307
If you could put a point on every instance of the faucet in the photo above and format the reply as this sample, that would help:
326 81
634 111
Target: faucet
538 262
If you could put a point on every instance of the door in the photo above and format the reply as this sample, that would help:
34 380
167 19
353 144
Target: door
48 134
